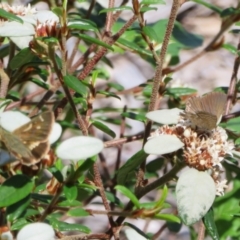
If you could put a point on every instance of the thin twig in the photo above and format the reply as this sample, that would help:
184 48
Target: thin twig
98 182
156 83
233 82
201 231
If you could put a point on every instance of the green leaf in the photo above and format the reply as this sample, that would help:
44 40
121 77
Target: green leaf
94 40
138 117
147 9
70 192
21 58
108 94
150 32
230 48
16 210
4 50
13 95
115 9
164 194
116 86
14 189
210 225
229 12
104 128
174 227
237 141
67 203
178 92
77 212
233 125
208 5
186 38
75 84
82 25
167 217
58 11
63 226
85 165
42 197
126 192
153 2
56 173
40 83
130 166
19 224
224 209
10 16
155 165
113 199
134 47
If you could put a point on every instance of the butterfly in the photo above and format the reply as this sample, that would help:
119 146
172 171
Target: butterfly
205 112
29 143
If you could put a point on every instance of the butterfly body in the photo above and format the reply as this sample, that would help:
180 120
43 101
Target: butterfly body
29 143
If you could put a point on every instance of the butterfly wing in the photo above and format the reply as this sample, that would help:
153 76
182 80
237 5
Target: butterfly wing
204 112
17 148
214 103
37 130
29 143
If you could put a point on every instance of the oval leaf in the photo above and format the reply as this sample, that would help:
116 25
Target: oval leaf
165 116
55 133
75 84
163 144
14 189
77 148
195 194
9 16
77 212
104 128
11 120
15 29
125 191
94 40
36 231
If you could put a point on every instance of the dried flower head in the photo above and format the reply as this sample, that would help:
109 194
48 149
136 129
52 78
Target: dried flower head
49 28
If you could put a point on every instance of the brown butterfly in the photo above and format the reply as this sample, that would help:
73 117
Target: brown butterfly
29 143
205 112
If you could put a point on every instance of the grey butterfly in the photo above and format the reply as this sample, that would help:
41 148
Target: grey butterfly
205 112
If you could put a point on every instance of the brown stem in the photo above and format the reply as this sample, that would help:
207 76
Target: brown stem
52 204
95 236
109 18
233 82
4 82
118 142
158 73
156 83
98 182
201 231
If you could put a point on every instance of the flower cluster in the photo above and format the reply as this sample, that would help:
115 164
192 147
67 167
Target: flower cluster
18 10
202 151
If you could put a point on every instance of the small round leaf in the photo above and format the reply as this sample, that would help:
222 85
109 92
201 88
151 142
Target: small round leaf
36 231
195 194
165 116
163 144
77 148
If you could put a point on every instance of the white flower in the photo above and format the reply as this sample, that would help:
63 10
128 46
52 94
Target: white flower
220 186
